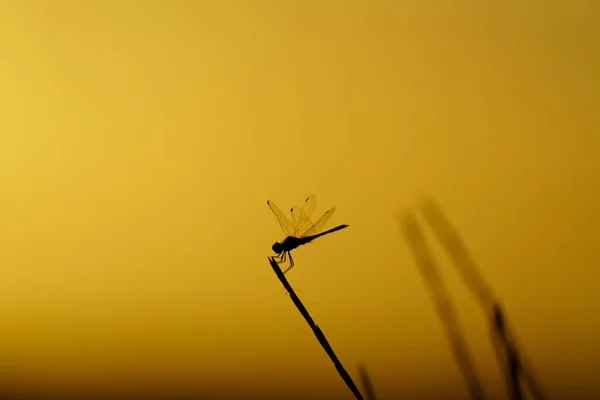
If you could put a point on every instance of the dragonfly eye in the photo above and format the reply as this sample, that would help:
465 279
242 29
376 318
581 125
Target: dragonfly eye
277 248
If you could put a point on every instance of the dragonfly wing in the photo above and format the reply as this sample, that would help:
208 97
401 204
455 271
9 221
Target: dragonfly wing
286 224
296 217
308 208
318 226
301 216
301 221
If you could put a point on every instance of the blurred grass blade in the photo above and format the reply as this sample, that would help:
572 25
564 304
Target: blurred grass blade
443 302
510 360
447 235
366 382
507 356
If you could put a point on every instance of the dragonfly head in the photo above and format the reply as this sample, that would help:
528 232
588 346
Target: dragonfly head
277 248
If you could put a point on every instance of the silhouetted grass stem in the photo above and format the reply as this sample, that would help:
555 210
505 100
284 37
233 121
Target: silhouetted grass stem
316 330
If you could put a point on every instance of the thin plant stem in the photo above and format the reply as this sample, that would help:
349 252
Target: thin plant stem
366 382
316 330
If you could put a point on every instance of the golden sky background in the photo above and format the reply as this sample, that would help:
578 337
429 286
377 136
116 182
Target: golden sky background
140 140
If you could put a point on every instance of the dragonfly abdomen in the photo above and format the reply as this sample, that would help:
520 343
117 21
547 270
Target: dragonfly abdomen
291 242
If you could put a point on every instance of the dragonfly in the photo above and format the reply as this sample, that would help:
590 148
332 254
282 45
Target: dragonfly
300 229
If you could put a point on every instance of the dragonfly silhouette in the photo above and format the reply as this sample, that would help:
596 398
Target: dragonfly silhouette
300 230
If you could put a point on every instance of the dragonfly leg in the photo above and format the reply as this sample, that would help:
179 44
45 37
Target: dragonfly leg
291 263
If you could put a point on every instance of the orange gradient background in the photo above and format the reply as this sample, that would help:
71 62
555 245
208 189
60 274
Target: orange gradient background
140 140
